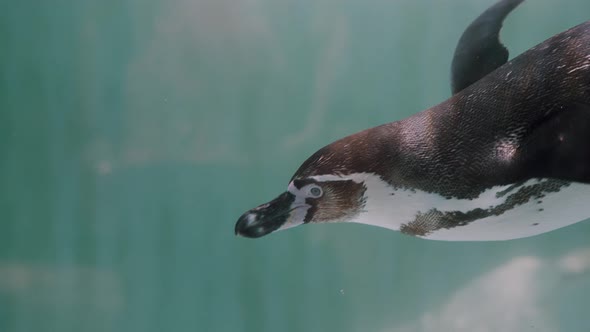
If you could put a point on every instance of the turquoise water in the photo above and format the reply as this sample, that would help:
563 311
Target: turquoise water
133 134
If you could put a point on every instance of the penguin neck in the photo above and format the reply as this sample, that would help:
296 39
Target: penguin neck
383 204
388 206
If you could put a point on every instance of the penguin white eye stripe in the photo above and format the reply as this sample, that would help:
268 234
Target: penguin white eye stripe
292 189
310 190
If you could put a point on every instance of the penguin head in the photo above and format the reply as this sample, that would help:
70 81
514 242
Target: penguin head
320 191
313 199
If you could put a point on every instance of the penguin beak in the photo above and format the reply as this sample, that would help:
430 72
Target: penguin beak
266 218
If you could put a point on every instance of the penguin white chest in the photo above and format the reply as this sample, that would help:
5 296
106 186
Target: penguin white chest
498 213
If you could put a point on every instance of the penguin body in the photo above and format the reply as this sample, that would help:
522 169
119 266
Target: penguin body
507 156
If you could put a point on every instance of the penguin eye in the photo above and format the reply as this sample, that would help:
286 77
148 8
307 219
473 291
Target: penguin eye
315 191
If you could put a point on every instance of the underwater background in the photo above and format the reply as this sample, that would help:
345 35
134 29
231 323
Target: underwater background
133 134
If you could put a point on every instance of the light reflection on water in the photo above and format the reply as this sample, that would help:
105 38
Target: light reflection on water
516 296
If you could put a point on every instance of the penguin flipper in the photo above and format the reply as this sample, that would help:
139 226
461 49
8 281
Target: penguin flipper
559 147
479 51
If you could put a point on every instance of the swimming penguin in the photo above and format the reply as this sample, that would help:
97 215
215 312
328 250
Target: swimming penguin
506 157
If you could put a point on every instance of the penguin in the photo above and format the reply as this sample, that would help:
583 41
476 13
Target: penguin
507 156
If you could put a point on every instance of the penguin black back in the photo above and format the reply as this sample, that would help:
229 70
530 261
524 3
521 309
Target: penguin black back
521 121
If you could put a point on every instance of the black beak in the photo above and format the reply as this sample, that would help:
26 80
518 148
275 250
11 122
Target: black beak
266 218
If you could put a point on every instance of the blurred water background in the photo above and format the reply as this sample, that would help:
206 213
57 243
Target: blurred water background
134 133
